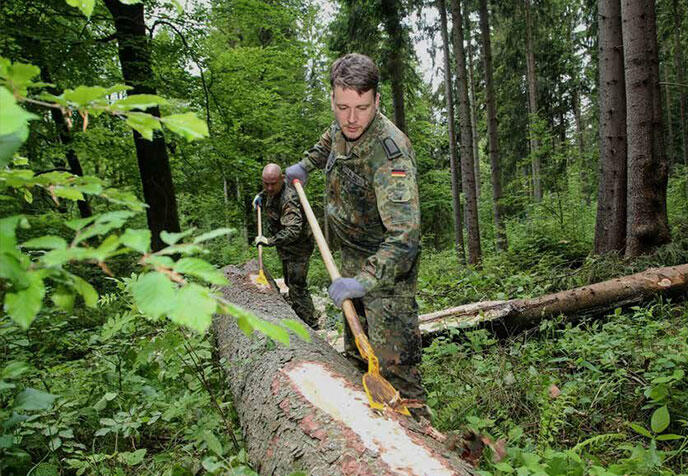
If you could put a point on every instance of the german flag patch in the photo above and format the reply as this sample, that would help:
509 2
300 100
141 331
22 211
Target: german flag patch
398 173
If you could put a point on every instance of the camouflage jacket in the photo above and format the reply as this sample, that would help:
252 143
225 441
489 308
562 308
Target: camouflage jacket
287 225
372 198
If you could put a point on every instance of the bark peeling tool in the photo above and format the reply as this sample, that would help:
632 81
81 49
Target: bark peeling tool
381 393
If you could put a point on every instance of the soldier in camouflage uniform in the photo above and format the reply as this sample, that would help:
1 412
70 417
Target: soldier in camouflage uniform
292 237
373 209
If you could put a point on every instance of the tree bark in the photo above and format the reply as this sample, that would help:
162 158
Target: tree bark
518 314
471 97
532 105
647 224
453 159
467 167
391 17
679 65
302 406
610 226
154 164
492 133
672 158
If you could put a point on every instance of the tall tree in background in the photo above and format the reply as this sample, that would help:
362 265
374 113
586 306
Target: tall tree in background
532 105
680 65
394 62
647 224
453 159
467 167
154 165
471 96
610 227
492 135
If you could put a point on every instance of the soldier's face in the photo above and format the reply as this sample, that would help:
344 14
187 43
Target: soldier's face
353 111
272 184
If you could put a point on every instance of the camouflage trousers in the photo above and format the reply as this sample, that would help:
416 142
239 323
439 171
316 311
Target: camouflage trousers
295 271
390 319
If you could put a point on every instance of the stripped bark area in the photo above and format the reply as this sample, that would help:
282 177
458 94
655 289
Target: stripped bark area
518 314
302 407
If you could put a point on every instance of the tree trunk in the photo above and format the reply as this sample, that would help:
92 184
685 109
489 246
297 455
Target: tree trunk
518 314
391 17
154 165
492 134
610 226
302 406
672 157
679 65
467 167
532 105
647 225
453 159
471 97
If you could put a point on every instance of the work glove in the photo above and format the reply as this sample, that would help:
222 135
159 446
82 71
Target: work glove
345 288
261 240
296 171
257 201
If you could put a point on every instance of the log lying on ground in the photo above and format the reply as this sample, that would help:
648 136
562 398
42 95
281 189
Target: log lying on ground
518 314
302 407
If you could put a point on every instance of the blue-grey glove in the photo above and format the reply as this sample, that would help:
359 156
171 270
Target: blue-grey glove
345 288
298 172
257 201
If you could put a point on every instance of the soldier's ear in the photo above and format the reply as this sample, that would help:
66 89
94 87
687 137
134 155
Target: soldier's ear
377 100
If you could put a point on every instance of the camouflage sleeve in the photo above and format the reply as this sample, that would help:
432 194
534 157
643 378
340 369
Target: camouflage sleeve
396 193
291 220
316 156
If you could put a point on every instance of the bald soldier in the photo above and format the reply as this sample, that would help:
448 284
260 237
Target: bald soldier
292 237
373 209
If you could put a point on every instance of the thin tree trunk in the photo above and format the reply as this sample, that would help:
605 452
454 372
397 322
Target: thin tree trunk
518 314
532 105
583 171
467 167
679 65
610 226
453 159
391 17
647 225
492 134
670 126
154 165
471 97
302 406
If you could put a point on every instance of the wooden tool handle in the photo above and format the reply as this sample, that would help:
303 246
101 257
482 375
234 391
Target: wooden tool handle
260 233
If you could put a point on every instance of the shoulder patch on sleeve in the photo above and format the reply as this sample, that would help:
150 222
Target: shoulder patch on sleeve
391 148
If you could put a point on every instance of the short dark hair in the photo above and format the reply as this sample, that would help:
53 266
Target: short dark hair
355 71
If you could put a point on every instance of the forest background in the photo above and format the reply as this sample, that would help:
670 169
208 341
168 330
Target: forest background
552 188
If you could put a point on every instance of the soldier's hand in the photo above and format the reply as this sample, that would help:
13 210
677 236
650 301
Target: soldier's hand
261 240
298 172
345 288
257 201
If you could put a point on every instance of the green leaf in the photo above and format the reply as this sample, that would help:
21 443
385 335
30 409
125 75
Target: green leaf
69 193
214 234
298 328
271 330
132 458
143 123
139 101
186 125
14 369
194 307
200 269
82 96
660 419
86 6
79 223
10 143
213 443
49 242
22 306
12 116
172 238
20 76
63 298
669 437
138 240
641 430
32 399
11 269
107 248
87 291
154 294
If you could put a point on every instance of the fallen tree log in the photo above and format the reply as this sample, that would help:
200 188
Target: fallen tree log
302 407
518 314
